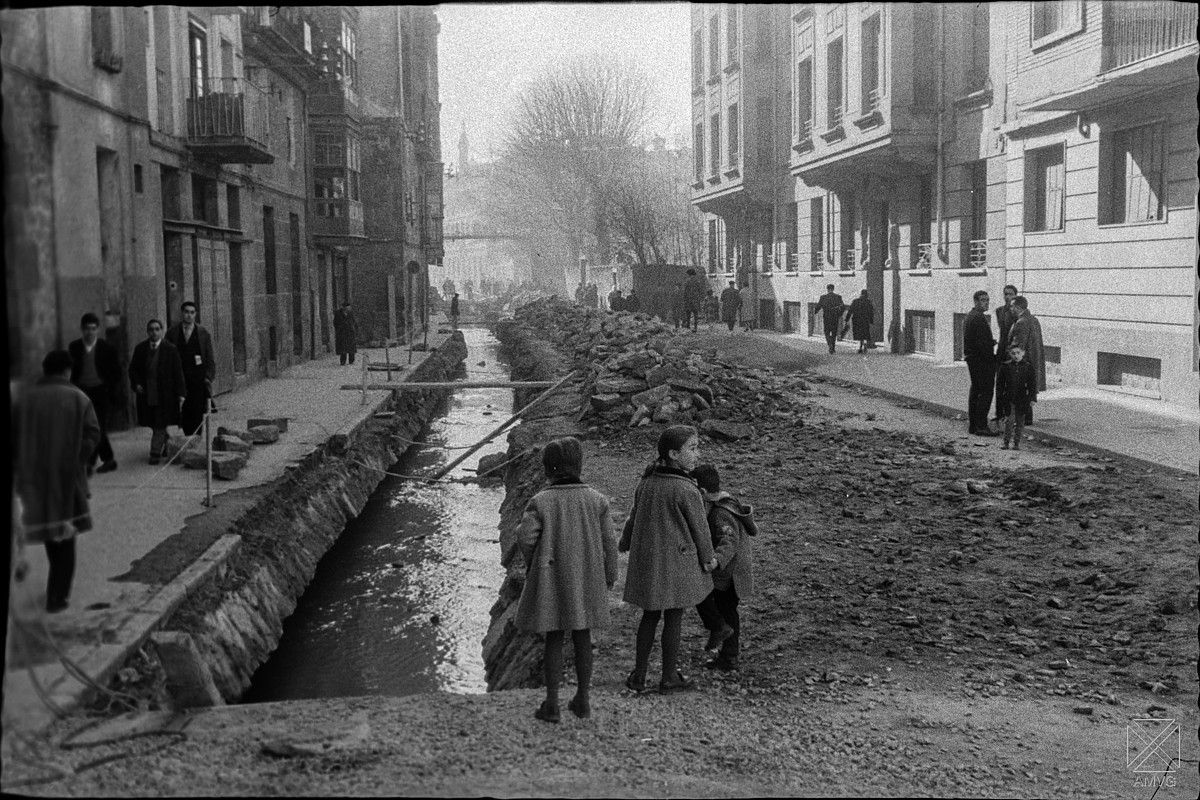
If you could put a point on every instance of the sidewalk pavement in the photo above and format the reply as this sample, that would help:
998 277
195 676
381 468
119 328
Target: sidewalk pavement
1148 432
137 507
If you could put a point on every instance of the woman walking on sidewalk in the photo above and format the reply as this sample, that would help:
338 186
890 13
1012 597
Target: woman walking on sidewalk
670 552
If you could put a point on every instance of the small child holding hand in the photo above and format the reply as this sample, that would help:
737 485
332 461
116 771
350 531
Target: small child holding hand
570 552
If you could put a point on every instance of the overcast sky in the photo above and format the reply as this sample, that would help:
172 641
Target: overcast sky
488 51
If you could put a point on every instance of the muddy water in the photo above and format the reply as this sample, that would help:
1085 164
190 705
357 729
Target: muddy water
399 605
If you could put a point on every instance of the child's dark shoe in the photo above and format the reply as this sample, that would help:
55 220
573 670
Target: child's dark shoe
635 682
580 707
722 664
717 638
548 712
680 684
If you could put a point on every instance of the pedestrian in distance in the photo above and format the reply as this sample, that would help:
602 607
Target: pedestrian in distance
96 370
54 435
454 311
678 305
730 523
979 351
570 551
591 298
862 316
749 308
832 309
195 347
345 333
693 299
1005 316
580 293
731 305
633 303
1027 332
615 301
670 552
711 309
1017 383
156 375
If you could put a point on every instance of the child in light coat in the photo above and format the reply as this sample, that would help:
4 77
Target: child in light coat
570 551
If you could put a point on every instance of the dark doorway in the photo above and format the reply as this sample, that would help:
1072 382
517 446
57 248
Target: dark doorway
878 236
237 308
297 286
173 271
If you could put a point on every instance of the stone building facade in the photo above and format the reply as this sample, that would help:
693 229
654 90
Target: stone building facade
937 149
161 154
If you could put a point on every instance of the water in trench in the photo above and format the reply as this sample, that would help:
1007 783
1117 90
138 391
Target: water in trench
399 605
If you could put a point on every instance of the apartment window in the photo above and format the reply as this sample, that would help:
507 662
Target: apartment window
291 142
1044 189
169 190
698 151
714 48
979 199
354 169
137 178
923 77
697 60
923 234
870 63
804 110
816 227
731 33
204 199
336 172
766 128
734 138
308 46
712 246
1134 178
197 59
1054 20
977 71
714 145
233 205
834 83
105 52
840 225
349 43
297 285
268 222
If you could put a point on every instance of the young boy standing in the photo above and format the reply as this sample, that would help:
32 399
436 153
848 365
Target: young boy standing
731 523
1017 385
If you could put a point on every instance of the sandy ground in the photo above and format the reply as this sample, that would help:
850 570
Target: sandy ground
936 617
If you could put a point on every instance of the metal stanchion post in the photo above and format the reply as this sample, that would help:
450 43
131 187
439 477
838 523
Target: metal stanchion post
208 459
366 360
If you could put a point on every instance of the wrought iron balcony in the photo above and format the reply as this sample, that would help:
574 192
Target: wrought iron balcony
924 256
794 262
227 122
978 253
816 261
1138 29
849 260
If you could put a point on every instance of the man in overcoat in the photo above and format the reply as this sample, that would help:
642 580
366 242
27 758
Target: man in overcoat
194 343
156 375
832 308
693 298
345 333
54 435
979 350
731 304
1026 331
862 315
1005 316
96 370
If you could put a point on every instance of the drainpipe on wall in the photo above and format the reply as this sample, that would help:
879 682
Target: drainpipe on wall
939 190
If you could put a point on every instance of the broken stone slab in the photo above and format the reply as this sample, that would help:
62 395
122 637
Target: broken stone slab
641 413
619 385
489 464
603 402
243 435
700 402
666 412
178 443
652 397
664 373
278 422
294 745
637 362
726 431
692 387
189 680
230 444
226 465
264 434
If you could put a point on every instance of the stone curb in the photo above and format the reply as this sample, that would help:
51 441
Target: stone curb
1031 431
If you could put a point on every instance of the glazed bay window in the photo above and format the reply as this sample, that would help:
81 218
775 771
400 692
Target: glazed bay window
1132 175
1044 189
349 44
336 175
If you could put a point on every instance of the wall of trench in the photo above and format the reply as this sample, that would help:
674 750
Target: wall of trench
235 618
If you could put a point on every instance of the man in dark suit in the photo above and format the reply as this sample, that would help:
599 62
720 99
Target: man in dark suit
1006 315
979 349
194 344
96 370
832 308
156 375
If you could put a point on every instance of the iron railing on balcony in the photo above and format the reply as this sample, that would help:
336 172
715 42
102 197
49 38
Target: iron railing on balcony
804 130
794 262
978 253
924 256
849 260
228 108
871 102
166 120
816 261
1138 29
835 115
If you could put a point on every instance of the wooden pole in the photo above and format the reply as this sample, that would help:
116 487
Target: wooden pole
208 457
471 450
365 370
387 355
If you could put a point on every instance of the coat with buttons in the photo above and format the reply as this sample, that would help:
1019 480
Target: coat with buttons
668 541
570 550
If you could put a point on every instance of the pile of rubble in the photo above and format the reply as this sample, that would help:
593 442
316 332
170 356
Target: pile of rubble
638 371
231 447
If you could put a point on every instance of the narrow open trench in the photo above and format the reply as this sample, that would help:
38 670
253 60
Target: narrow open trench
399 605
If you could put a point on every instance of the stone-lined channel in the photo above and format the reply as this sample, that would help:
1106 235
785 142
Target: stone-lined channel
399 604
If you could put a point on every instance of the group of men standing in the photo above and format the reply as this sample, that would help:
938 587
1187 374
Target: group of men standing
987 356
59 426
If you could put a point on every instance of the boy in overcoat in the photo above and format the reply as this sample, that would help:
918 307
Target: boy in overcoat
156 375
1018 386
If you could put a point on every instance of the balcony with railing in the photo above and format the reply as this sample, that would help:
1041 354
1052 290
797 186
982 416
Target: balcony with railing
834 130
977 253
1137 30
924 256
849 260
872 103
227 122
793 263
816 261
804 131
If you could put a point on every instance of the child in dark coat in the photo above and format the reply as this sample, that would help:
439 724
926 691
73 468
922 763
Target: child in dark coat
570 552
731 524
1017 384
